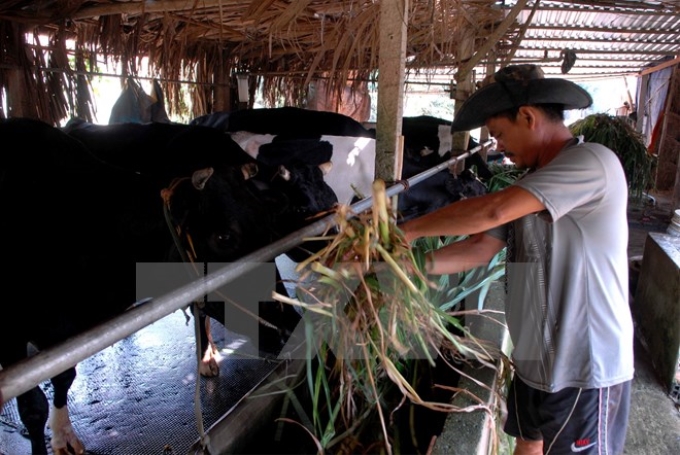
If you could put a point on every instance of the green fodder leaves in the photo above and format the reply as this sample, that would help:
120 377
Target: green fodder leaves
628 144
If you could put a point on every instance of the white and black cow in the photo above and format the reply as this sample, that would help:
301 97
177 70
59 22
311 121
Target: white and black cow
81 225
305 136
313 136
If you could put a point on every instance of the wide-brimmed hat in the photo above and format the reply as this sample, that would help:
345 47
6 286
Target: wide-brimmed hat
515 86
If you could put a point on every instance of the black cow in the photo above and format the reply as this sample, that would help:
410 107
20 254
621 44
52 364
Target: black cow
288 193
427 139
81 225
427 143
163 150
295 121
64 215
436 191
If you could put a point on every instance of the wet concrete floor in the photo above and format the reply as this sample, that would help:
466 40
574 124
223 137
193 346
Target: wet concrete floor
137 396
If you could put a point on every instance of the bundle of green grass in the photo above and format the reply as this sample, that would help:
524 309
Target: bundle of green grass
370 309
628 144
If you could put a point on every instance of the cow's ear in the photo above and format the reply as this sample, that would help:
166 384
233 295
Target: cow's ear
326 167
249 170
200 177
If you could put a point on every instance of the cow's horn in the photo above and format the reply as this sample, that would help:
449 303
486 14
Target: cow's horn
249 170
201 176
326 167
284 173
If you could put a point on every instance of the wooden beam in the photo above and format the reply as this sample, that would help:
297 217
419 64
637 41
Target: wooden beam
661 66
638 8
165 6
520 37
603 29
493 38
543 49
578 40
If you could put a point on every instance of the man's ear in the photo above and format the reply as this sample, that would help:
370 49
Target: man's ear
527 114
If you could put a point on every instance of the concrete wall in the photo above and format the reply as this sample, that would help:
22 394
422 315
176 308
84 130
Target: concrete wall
479 431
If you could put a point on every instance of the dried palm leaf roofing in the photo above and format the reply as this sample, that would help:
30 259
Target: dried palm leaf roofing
289 42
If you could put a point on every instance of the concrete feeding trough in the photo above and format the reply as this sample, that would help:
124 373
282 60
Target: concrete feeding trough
656 307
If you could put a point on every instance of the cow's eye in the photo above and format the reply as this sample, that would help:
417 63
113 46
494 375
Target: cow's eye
223 238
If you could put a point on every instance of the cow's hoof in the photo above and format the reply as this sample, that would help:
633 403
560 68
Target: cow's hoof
64 440
209 368
69 444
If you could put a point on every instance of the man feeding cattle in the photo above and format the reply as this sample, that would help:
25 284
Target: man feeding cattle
564 224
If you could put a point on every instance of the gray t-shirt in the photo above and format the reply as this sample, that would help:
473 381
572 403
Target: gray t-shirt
567 306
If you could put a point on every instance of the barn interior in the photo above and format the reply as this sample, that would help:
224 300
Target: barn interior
211 56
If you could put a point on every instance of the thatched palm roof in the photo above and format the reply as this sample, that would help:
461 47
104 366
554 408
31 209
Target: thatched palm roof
201 39
286 42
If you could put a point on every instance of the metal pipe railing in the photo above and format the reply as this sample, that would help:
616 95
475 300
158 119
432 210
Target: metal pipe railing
27 373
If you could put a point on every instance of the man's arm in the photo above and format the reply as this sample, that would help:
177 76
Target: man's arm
474 215
477 250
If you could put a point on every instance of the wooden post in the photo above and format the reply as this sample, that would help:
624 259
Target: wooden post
642 104
18 103
471 57
484 132
222 92
464 88
391 66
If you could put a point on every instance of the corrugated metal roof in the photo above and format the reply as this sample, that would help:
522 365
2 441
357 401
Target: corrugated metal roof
609 38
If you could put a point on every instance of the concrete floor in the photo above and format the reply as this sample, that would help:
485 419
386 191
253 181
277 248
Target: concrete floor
137 396
654 427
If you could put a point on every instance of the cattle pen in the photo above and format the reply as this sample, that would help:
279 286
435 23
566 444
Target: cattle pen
40 367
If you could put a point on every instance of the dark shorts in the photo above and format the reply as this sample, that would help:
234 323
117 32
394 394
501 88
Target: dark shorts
572 420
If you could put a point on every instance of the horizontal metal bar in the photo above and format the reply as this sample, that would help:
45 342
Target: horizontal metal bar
24 375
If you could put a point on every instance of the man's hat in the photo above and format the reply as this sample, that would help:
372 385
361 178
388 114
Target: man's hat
515 86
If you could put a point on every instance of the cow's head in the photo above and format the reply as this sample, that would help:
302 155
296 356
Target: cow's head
300 194
225 213
307 192
465 185
218 215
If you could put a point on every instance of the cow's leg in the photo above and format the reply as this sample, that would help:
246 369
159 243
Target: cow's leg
33 411
279 323
277 320
208 366
211 348
282 315
32 405
64 439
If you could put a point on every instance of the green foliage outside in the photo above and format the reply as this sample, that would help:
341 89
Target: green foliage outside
618 134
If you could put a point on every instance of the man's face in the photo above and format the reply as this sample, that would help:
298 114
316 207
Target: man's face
515 139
